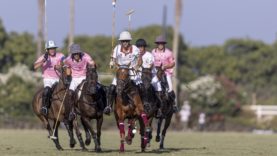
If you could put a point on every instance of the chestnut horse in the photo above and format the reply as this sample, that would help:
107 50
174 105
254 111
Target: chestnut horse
166 107
128 105
89 105
57 98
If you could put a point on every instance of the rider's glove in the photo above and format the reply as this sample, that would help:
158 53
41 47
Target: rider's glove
45 57
111 64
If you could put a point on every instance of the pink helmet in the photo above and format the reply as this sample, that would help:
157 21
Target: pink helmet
161 39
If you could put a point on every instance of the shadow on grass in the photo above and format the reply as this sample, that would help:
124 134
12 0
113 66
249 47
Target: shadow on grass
103 150
157 151
169 150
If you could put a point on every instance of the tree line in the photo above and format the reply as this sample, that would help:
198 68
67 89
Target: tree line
249 64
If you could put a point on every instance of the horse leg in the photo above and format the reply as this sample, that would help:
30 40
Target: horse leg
166 125
122 135
79 134
160 120
56 140
99 125
149 131
130 134
88 136
142 134
46 124
92 132
69 128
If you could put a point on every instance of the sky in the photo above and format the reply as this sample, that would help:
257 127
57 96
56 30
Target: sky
203 22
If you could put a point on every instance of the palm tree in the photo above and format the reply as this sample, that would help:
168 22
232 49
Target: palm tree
178 12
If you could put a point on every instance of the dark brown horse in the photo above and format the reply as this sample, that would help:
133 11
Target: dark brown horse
55 114
128 105
149 98
166 107
89 105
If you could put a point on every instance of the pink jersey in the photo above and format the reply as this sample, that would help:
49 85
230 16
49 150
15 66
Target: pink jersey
78 68
48 70
164 58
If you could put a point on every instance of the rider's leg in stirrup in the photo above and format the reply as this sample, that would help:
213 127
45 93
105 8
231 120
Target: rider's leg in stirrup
110 97
69 104
171 94
101 90
46 100
159 94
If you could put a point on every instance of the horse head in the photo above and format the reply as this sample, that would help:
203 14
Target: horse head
91 78
146 77
122 78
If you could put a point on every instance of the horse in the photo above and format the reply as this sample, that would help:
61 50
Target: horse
128 105
56 113
149 98
89 105
166 107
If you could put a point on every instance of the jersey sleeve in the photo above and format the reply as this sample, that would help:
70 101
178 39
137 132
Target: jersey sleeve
89 59
39 59
115 50
171 58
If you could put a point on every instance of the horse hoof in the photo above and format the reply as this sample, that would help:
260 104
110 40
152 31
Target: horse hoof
158 138
87 142
84 149
59 148
72 144
128 140
161 147
98 149
122 149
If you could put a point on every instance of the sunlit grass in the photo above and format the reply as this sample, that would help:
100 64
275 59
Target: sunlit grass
36 143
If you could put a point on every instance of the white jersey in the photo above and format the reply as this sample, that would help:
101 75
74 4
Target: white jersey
147 60
125 59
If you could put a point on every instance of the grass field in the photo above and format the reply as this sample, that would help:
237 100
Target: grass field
36 143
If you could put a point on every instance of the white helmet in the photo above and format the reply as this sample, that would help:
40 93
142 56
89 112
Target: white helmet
125 35
50 44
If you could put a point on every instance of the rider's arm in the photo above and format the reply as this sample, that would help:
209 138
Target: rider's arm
40 61
171 61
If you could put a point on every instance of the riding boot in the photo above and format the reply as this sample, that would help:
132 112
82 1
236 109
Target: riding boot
159 95
69 103
172 97
102 95
110 99
45 101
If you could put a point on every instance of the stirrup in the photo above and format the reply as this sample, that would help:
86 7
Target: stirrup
107 110
159 113
175 109
44 111
72 116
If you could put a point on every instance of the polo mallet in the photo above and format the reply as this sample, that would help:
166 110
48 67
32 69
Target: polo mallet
45 20
113 29
129 14
55 127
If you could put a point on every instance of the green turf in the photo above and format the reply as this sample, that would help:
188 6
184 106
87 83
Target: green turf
36 143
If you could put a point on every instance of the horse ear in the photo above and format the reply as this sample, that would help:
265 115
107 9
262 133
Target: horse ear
161 65
129 64
89 66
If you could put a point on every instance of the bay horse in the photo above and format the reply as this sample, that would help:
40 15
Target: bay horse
89 105
149 98
128 105
166 107
57 98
